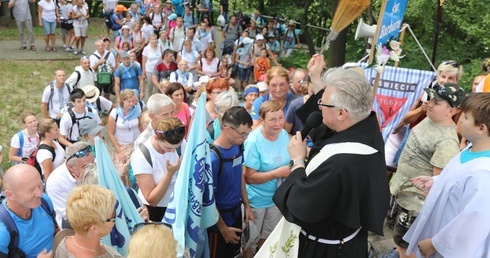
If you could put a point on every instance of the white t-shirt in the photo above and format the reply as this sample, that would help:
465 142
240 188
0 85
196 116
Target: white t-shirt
82 21
71 130
86 78
58 101
141 166
43 154
147 31
153 57
184 80
105 105
48 12
58 187
109 4
110 59
126 131
178 36
64 11
29 146
190 58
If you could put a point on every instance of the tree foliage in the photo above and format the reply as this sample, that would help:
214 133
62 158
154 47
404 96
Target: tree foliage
462 36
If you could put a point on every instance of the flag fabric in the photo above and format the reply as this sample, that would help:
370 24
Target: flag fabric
192 207
126 214
398 90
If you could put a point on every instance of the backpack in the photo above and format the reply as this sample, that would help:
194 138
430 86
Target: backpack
31 160
21 143
104 72
152 15
222 160
13 247
51 93
173 33
110 22
75 120
294 37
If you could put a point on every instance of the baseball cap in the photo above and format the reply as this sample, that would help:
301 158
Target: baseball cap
121 8
124 54
259 37
90 127
262 86
104 39
450 92
125 27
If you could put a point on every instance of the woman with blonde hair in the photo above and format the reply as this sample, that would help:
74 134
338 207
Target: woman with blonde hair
25 141
90 210
155 163
122 127
152 239
50 154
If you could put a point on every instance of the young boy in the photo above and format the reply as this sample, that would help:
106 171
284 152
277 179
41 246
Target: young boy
261 66
70 121
431 144
454 219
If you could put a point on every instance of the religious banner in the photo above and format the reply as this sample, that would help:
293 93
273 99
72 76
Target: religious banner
398 90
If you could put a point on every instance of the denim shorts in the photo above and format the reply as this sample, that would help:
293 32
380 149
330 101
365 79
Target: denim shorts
244 73
49 27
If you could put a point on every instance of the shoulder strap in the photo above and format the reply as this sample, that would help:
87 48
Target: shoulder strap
79 76
216 151
49 148
51 93
97 104
45 206
21 142
98 57
146 153
11 227
107 55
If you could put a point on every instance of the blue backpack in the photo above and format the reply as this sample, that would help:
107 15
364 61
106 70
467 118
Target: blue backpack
110 22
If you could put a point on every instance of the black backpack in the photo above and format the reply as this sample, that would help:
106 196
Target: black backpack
110 23
76 120
14 250
51 92
31 160
222 160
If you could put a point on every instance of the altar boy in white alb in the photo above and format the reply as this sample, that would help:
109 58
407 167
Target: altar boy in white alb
455 219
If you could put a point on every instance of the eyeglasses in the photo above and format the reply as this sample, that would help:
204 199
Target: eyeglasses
113 218
81 153
216 92
452 63
243 135
170 133
142 224
320 105
84 58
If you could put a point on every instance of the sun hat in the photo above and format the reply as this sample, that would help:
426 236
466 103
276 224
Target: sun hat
92 93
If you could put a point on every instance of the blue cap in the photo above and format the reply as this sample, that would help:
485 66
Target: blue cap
250 90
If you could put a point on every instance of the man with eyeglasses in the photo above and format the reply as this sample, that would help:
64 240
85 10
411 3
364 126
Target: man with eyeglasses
337 196
229 183
29 210
65 177
297 82
83 75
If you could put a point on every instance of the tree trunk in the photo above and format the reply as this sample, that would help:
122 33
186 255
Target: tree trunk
306 32
336 53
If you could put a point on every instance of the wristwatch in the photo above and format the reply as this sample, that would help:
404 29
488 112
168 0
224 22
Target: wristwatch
293 163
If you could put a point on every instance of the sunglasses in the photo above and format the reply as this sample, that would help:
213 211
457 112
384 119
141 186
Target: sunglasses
84 58
170 133
142 224
451 63
113 218
81 153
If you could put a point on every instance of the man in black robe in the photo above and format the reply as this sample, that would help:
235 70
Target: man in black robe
342 192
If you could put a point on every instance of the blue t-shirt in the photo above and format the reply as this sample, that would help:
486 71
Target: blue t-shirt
227 187
290 41
275 46
263 155
179 7
189 20
291 116
466 155
254 112
35 233
128 76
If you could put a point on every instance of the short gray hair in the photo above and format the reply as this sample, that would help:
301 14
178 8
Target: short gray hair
224 101
90 175
72 149
157 101
352 92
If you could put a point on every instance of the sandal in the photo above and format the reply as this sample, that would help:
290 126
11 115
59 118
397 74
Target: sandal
54 49
47 49
23 47
33 48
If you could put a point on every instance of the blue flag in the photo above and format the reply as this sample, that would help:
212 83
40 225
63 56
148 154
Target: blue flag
192 207
126 214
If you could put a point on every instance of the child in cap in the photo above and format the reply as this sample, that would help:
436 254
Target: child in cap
431 144
454 219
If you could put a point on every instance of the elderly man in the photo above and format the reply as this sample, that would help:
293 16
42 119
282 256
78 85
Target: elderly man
336 201
22 15
102 61
29 210
83 75
62 180
297 82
